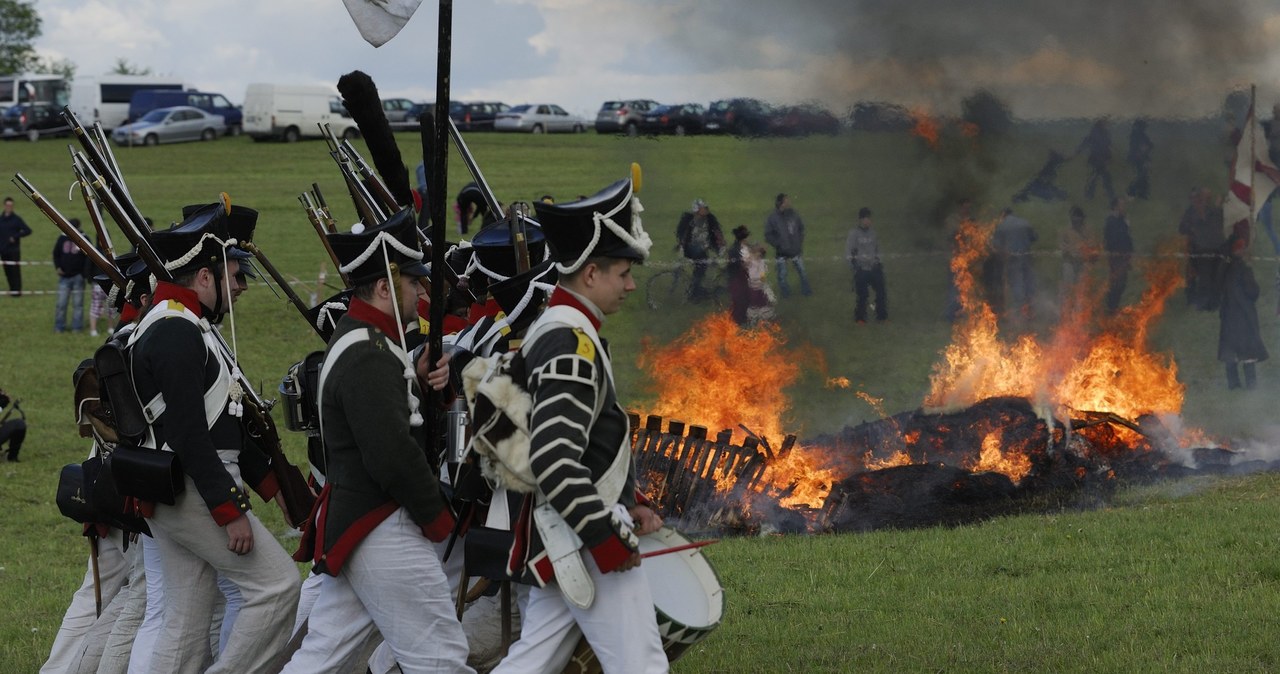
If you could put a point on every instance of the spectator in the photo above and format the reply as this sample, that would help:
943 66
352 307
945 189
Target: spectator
72 266
751 298
99 308
1118 244
1013 239
1202 225
12 229
469 205
1043 186
784 230
1079 251
421 174
863 252
1140 147
699 236
1239 334
1098 143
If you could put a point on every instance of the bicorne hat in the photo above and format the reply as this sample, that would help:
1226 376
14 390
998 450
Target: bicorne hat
365 254
606 224
135 274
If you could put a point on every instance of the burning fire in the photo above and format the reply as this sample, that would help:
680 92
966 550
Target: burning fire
1110 370
925 127
719 376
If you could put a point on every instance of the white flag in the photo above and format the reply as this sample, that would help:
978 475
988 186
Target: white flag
380 20
1253 176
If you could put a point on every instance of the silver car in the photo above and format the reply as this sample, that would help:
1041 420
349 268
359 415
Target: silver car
539 118
171 125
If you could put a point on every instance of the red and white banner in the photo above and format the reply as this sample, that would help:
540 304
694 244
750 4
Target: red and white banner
1253 176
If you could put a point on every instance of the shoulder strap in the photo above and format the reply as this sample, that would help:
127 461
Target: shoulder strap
339 347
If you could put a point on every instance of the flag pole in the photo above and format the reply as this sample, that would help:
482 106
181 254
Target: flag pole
1253 155
439 181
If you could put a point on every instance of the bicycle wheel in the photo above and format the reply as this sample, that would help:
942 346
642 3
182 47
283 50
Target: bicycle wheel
665 288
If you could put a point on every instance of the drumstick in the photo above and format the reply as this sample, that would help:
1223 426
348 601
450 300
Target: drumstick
679 548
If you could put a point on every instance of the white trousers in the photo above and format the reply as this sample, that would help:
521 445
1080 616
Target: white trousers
133 599
113 572
393 582
193 551
620 625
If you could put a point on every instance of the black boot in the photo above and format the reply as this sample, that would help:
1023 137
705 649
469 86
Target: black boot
1250 376
1233 377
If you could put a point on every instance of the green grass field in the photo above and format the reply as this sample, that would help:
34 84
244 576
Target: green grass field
1172 578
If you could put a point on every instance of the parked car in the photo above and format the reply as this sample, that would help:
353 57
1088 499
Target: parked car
32 121
739 116
396 109
677 119
415 111
802 120
623 116
539 118
170 125
146 100
477 116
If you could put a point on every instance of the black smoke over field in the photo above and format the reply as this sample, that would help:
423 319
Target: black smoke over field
1045 57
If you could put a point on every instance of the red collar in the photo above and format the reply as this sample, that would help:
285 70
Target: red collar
367 313
561 296
128 313
180 294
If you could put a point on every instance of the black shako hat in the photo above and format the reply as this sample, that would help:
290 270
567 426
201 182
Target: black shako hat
324 316
242 222
200 240
522 295
606 224
361 253
136 275
495 248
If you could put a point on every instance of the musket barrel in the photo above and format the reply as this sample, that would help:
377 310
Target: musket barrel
99 260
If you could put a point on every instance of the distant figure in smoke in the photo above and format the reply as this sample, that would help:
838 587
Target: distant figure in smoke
1013 240
1098 143
1140 147
1042 186
699 237
1202 225
1118 244
862 249
1079 252
1239 334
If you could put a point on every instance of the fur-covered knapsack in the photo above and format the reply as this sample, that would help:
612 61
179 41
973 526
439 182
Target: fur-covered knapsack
500 409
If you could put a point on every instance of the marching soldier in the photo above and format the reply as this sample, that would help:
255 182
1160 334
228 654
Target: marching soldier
583 535
381 508
183 373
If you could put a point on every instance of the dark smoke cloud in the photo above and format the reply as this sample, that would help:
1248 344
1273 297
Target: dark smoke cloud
1046 58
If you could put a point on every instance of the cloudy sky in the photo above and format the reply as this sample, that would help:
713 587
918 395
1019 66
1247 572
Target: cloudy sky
1047 58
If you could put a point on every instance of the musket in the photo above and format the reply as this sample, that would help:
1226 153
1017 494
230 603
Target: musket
280 280
100 164
136 232
95 210
327 217
315 215
101 136
107 265
518 236
371 180
366 207
489 197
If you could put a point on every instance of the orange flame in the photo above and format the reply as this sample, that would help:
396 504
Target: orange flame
718 376
1112 370
925 127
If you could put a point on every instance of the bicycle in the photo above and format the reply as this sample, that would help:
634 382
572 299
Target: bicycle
671 286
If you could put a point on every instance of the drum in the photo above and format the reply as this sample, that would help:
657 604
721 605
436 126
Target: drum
687 597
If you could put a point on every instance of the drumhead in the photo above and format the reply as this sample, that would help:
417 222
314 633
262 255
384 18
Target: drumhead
684 586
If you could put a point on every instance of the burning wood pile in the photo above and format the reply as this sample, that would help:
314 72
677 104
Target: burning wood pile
1007 426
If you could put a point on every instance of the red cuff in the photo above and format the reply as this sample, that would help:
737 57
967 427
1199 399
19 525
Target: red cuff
225 513
610 554
269 487
439 528
643 500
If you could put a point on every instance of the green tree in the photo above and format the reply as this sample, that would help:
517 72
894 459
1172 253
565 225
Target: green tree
123 67
52 66
19 28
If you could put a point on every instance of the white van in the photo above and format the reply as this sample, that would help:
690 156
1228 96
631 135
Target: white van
106 98
290 112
